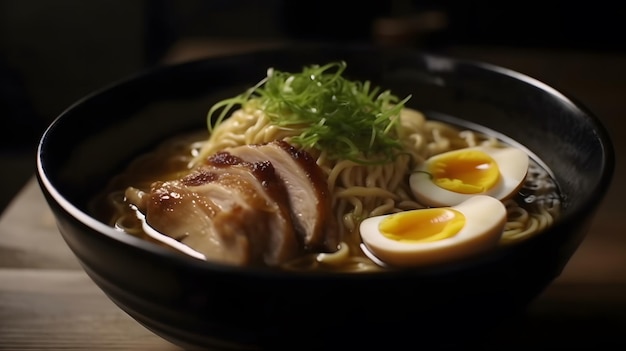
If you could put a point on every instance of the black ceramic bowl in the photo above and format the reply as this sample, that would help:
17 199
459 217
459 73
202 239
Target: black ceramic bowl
197 304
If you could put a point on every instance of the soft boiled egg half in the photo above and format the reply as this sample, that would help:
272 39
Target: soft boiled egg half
433 236
452 177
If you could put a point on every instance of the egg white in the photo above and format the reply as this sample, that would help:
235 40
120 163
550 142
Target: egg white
512 164
485 218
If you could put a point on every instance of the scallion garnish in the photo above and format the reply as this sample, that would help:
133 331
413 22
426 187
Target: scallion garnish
349 119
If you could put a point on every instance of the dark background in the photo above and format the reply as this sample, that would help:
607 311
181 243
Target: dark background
53 52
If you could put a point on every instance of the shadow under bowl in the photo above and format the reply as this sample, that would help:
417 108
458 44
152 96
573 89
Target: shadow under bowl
197 304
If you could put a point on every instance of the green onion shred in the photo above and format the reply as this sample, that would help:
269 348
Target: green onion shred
350 120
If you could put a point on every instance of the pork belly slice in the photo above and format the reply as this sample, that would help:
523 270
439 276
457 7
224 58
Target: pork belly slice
307 187
231 211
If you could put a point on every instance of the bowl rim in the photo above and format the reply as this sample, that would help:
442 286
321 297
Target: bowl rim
599 191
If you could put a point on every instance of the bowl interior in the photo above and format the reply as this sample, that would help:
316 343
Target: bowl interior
131 116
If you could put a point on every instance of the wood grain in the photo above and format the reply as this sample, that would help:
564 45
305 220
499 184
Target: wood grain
65 310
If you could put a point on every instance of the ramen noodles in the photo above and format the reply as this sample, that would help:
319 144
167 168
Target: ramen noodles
309 170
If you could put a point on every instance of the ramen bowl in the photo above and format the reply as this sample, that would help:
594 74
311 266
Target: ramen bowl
197 304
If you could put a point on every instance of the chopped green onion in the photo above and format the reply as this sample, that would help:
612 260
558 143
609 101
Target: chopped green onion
349 119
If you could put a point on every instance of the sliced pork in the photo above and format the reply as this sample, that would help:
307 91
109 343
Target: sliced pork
230 210
307 188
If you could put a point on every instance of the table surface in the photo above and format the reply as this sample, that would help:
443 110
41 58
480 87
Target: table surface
47 301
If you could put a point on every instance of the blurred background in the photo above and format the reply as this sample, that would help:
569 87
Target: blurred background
53 53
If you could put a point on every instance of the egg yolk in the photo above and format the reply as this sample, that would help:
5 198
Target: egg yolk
423 225
465 171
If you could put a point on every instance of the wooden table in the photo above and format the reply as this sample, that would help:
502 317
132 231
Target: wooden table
47 302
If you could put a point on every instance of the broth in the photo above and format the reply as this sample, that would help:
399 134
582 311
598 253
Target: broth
529 212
